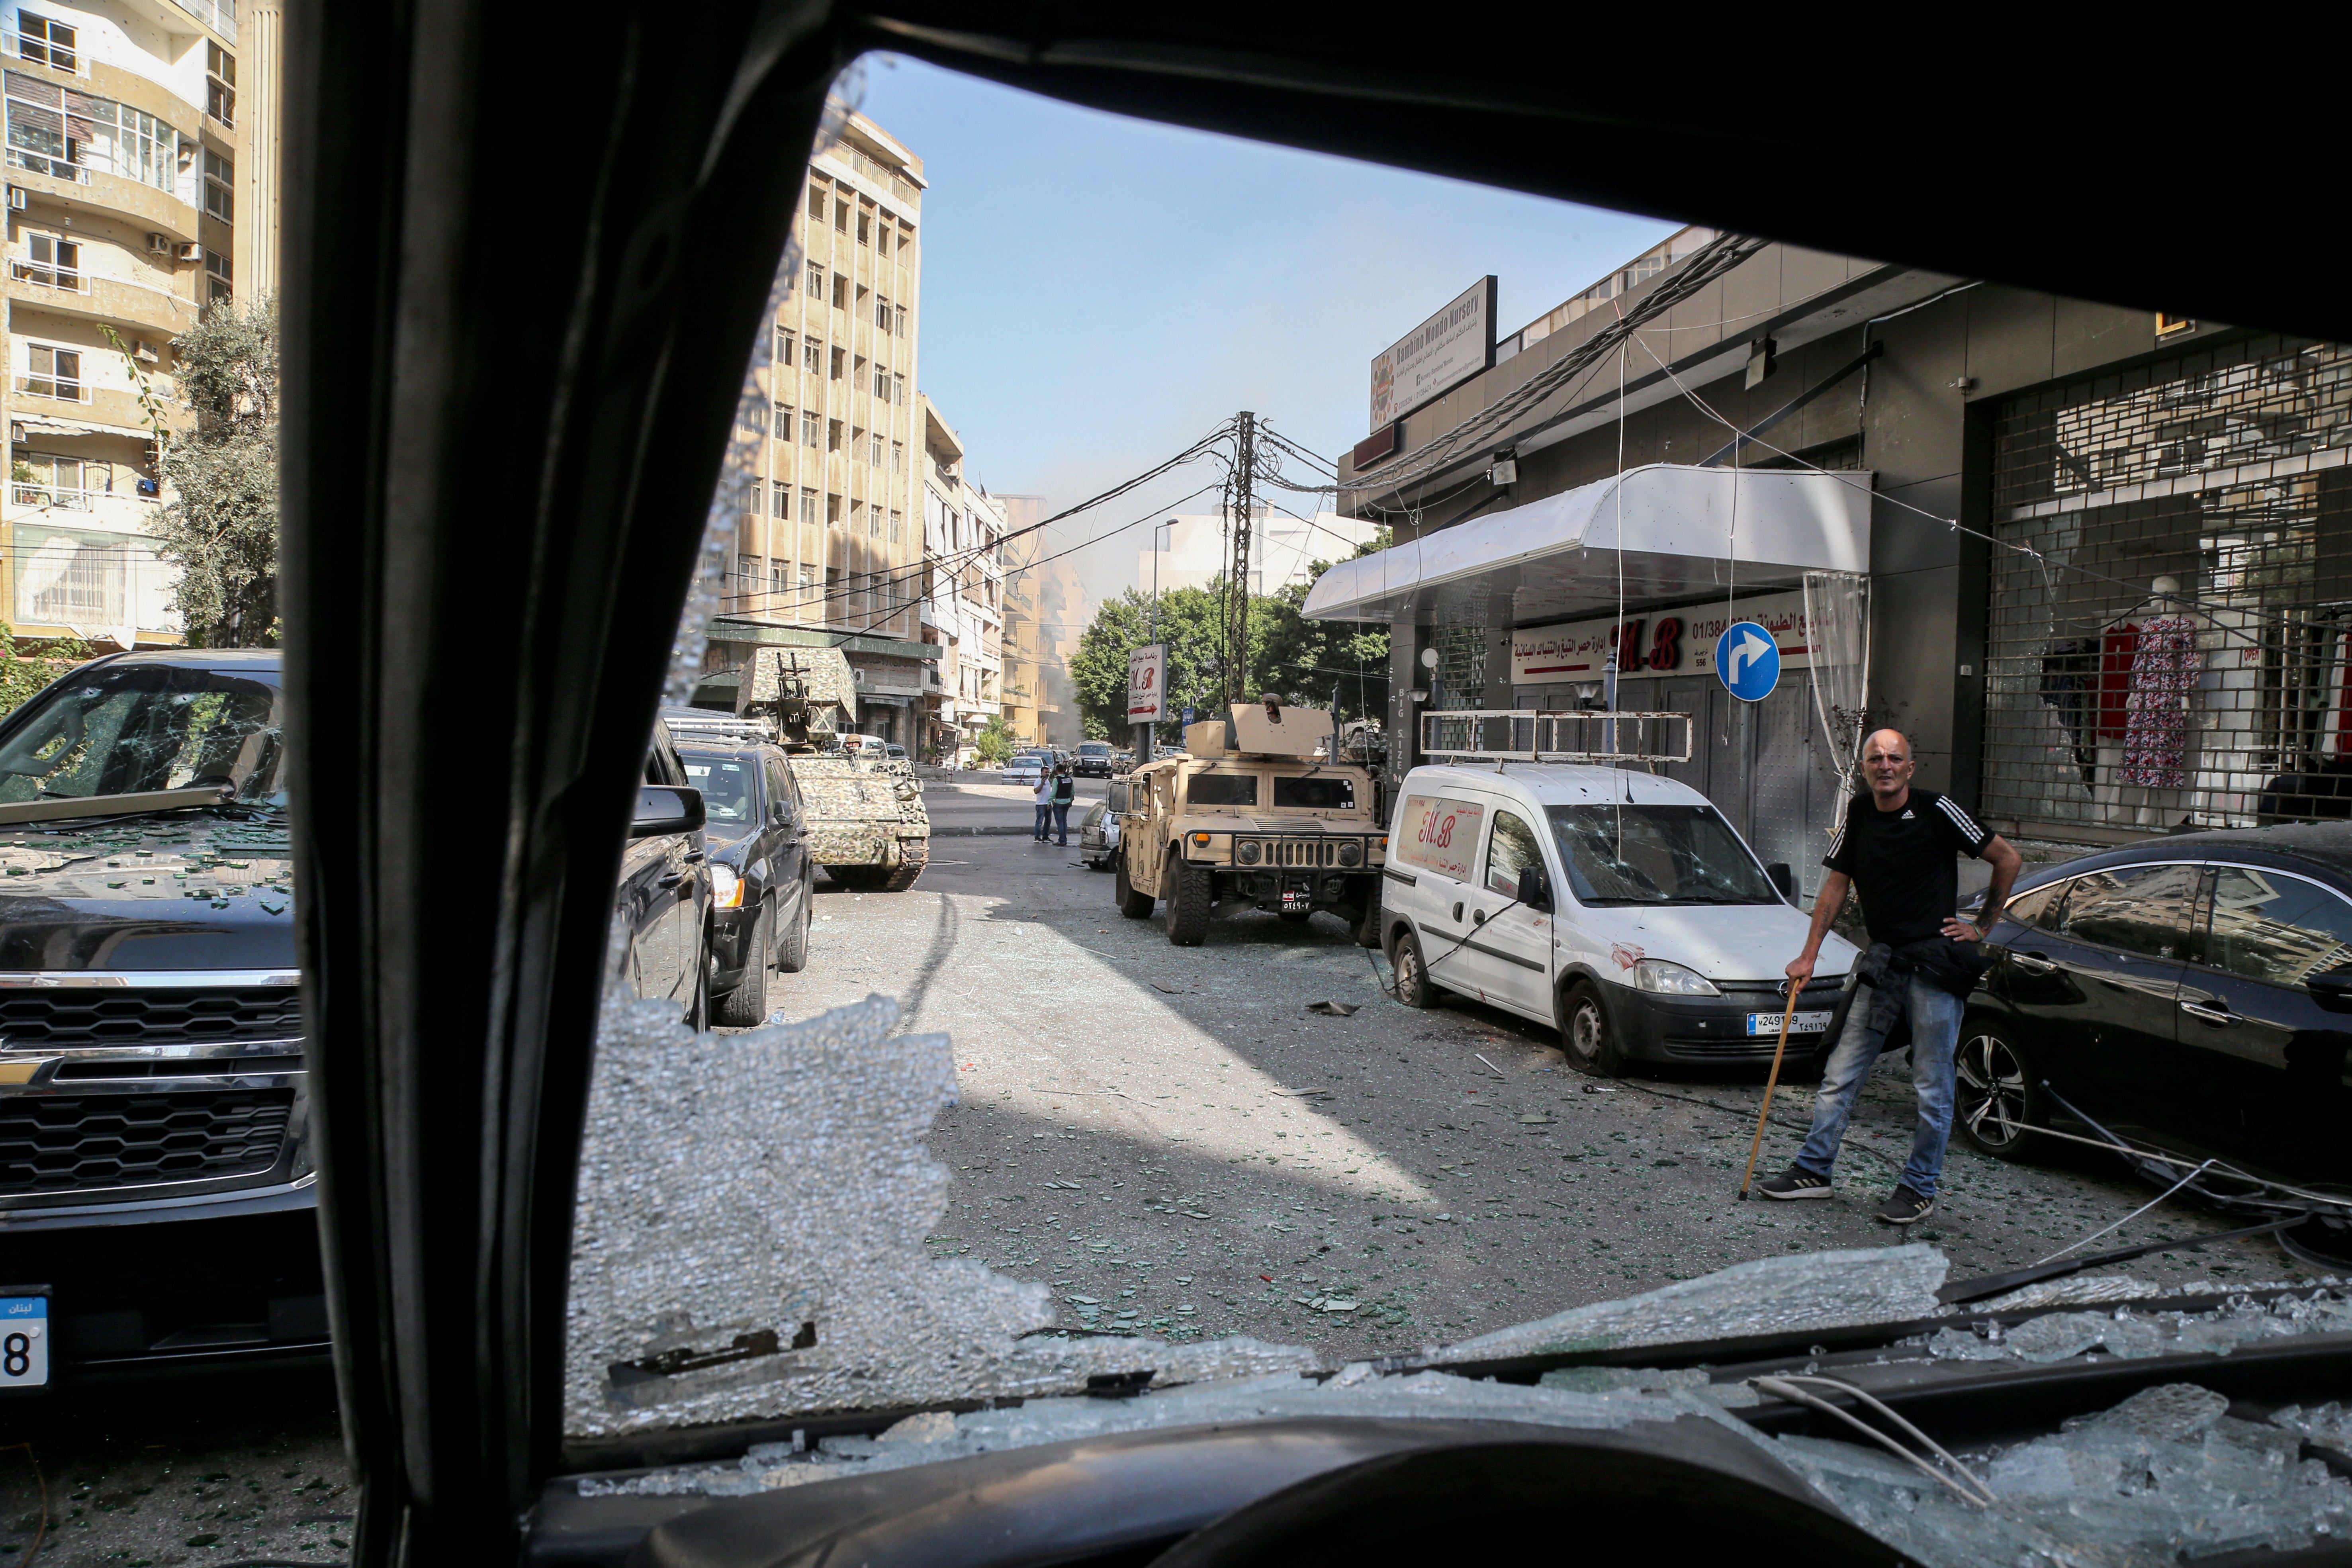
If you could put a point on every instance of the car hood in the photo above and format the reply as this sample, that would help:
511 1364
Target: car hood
171 893
1722 942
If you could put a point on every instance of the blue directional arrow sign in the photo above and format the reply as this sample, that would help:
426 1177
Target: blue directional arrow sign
1748 661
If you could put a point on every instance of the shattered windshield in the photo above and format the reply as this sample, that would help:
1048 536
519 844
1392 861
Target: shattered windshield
1013 1123
1655 855
132 728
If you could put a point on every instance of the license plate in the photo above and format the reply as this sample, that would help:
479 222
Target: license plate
1768 1024
1297 901
24 1341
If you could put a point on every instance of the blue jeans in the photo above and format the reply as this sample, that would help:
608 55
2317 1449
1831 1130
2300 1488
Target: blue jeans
1062 821
1935 1016
1044 820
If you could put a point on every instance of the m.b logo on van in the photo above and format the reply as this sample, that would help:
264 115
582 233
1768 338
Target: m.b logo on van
1748 660
1440 834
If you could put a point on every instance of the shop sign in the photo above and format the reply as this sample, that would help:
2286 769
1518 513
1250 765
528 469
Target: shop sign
1437 356
1147 683
1668 642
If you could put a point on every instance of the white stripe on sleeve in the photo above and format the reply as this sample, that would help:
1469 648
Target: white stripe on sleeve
1975 835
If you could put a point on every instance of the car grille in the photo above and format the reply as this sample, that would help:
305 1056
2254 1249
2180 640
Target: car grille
78 1144
72 1018
1288 854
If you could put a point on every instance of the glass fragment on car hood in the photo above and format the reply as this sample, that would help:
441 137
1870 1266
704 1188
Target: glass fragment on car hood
1792 1294
2165 1475
749 1237
1616 1399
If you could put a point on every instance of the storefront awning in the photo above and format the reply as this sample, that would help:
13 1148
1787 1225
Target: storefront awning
1686 531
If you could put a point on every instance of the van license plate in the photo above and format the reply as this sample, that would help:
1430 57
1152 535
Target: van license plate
24 1341
1768 1024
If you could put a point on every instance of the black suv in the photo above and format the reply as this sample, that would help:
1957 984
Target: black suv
156 1189
762 882
1096 760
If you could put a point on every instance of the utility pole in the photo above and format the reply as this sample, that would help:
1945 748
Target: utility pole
1242 514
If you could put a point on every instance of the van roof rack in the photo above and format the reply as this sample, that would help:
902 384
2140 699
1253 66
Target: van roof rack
1537 735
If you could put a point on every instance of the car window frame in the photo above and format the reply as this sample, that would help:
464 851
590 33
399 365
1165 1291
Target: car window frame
2207 899
2192 939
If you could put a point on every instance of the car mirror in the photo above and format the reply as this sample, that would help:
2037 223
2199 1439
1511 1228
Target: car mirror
1783 879
2332 990
1533 894
665 808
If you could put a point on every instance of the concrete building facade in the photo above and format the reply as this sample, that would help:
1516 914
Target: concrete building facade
963 595
829 550
2109 551
143 176
1190 550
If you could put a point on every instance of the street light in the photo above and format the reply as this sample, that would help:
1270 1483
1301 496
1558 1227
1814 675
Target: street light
1143 747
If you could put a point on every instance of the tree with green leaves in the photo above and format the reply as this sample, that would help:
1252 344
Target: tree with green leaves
1305 661
21 676
220 528
993 744
1189 625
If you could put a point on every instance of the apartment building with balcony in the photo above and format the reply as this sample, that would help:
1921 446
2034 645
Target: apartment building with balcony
829 551
141 187
963 594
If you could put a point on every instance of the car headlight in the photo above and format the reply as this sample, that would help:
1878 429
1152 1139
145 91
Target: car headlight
1247 851
1672 979
1351 853
726 888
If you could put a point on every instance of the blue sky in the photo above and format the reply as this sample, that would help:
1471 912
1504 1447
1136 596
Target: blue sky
1098 291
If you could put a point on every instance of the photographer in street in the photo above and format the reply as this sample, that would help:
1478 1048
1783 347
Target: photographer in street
1896 851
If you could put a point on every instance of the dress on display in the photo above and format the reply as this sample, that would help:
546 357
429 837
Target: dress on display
2156 712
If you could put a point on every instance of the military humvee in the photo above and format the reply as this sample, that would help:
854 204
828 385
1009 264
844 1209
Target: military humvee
1249 815
868 825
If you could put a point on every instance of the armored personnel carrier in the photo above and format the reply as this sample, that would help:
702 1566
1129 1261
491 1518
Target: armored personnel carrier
1253 813
868 825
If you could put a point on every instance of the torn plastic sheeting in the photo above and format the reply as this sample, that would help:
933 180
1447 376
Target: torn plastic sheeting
1769 1296
736 1187
2165 1475
1356 1390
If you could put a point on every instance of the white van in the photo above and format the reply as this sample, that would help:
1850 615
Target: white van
1619 908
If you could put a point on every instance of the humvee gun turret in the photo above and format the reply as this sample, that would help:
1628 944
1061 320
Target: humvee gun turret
867 827
1254 813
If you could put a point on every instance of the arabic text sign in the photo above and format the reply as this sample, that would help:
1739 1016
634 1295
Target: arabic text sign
1440 834
1668 642
1435 356
1147 684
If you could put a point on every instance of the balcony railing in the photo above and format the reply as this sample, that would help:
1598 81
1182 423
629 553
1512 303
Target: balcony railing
69 498
47 277
220 16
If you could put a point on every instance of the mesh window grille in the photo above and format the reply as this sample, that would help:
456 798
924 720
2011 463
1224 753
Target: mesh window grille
1460 679
2118 699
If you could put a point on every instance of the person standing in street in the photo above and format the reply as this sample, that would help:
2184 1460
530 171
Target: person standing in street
1896 851
1043 795
1065 790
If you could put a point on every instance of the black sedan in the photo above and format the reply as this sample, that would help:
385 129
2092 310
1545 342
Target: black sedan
759 871
2192 992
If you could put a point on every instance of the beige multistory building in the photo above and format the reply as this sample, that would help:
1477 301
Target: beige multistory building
1047 609
143 181
963 595
829 551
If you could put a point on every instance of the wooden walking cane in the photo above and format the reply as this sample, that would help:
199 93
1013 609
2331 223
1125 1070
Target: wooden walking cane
1770 1085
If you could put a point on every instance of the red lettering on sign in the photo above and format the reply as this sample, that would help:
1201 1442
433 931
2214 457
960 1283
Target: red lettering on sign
1666 652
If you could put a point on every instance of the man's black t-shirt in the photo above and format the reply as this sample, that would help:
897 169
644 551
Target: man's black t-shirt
1901 862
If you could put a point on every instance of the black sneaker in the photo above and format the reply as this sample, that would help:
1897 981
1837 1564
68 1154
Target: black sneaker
1905 1207
1793 1183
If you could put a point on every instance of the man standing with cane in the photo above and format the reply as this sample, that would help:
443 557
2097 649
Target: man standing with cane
1896 852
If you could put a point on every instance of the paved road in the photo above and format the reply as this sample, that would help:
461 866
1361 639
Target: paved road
1168 1132
976 803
